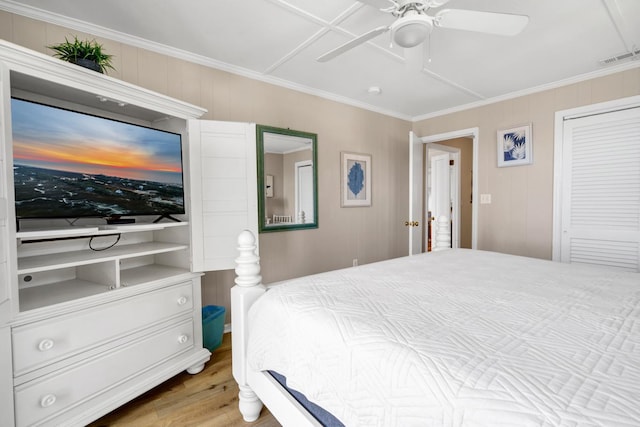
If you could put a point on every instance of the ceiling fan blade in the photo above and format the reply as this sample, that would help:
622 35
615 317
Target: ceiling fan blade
352 43
502 24
378 4
436 3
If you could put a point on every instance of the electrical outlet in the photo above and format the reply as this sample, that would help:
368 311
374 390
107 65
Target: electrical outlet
355 262
485 199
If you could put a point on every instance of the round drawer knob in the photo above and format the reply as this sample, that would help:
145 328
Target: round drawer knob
48 400
182 300
183 339
45 345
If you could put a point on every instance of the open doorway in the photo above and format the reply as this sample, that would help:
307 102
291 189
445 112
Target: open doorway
448 184
442 202
418 197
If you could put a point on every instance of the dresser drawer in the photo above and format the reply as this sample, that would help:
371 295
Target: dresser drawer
46 341
47 397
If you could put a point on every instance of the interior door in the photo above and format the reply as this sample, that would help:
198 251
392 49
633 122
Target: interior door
304 190
416 202
600 202
439 203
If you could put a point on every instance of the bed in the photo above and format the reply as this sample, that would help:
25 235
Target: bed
451 338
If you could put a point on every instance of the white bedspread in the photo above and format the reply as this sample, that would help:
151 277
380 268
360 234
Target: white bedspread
458 338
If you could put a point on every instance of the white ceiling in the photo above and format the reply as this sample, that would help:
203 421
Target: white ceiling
278 41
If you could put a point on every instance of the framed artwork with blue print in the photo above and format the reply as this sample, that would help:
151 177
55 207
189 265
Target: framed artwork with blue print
356 180
515 146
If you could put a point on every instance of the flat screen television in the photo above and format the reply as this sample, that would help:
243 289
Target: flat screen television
69 164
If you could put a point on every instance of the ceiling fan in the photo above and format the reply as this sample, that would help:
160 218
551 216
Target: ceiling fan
413 25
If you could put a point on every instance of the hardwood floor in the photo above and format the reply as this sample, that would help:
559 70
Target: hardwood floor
209 398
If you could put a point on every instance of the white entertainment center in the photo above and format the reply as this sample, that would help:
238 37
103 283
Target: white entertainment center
93 315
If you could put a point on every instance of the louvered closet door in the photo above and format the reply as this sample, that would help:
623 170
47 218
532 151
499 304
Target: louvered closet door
601 190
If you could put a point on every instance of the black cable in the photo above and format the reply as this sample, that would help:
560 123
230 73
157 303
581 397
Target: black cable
103 249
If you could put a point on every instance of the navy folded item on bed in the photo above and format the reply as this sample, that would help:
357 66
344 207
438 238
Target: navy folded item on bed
325 418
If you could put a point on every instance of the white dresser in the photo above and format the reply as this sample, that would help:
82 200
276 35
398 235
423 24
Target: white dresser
84 331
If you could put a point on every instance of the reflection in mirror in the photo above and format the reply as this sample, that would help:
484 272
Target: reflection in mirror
287 179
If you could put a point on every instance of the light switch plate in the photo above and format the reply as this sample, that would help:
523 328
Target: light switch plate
485 199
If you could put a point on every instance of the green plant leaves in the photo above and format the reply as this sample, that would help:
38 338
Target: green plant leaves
91 50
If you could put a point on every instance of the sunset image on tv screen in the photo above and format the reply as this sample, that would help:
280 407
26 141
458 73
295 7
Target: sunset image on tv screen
70 164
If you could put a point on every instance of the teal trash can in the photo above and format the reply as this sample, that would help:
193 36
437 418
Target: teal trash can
212 326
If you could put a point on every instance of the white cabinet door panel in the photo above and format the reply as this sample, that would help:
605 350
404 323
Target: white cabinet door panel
224 194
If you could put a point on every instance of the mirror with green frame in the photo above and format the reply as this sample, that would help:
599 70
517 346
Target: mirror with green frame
287 179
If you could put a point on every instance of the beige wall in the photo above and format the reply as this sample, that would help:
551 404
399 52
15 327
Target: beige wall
519 219
368 234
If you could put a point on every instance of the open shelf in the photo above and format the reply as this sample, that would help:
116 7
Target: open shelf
148 273
57 265
92 230
36 263
53 233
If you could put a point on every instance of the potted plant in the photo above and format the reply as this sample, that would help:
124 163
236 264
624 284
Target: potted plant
86 53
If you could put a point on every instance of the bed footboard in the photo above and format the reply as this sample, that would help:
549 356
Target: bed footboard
247 290
256 387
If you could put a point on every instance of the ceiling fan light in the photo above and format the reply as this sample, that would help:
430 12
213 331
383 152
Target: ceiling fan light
410 31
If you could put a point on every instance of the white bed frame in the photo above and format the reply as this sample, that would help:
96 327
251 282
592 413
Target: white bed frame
256 387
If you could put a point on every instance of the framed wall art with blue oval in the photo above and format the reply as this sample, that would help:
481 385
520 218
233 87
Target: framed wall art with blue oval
356 179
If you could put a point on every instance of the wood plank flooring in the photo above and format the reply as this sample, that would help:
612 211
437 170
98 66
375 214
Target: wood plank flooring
208 399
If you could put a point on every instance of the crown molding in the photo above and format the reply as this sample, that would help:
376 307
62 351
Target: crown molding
554 85
50 69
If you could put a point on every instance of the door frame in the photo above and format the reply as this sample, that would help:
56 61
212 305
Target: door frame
474 135
558 142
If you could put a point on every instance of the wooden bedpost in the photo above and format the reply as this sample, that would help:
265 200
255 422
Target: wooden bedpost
247 290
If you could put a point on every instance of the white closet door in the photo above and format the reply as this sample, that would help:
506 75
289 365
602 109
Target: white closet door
601 190
224 192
